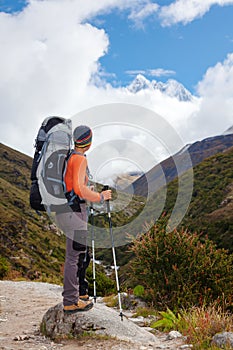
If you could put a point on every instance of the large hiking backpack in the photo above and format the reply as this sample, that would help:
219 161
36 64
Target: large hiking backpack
52 145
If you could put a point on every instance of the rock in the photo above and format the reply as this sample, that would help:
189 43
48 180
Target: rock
131 302
149 329
173 335
99 320
142 321
222 339
138 320
21 337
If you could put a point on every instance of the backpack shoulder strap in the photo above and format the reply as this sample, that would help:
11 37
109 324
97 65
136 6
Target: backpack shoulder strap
64 168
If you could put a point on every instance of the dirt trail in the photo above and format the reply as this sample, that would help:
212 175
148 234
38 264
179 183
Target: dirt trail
22 306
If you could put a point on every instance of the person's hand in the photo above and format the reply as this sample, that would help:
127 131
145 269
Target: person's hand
107 195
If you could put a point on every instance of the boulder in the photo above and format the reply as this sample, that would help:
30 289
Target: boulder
100 320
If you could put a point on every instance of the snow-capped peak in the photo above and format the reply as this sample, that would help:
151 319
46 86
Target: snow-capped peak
139 83
171 88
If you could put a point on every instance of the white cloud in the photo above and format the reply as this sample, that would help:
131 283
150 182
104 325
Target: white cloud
186 11
141 12
157 72
49 56
129 134
136 72
207 115
45 64
216 107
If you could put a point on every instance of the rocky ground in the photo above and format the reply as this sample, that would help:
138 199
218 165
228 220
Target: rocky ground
23 305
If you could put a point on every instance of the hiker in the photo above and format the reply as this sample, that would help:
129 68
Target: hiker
74 223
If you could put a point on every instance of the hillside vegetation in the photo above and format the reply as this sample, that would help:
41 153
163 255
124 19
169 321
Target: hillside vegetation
31 246
211 208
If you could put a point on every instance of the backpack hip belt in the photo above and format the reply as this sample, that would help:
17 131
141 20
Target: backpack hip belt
74 201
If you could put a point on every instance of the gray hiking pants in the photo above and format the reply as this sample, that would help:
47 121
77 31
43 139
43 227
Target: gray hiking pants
74 225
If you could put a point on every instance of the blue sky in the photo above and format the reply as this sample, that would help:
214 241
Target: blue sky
12 5
184 52
62 57
187 51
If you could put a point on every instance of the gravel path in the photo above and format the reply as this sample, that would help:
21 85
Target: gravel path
22 307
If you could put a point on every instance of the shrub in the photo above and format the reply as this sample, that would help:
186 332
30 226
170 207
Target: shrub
138 291
4 267
178 270
104 284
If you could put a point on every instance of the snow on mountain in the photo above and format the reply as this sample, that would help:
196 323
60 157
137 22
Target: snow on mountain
171 88
139 83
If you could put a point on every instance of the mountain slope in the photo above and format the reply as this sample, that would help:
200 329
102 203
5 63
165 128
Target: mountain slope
197 151
211 209
31 246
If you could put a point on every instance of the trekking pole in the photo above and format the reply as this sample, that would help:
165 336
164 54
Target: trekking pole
93 249
106 187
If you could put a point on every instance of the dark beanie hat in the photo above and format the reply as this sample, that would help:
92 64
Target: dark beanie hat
82 136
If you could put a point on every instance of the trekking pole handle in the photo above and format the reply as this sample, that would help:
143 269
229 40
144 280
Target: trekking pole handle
105 188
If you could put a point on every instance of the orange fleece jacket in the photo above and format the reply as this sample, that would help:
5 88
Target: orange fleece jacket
76 178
